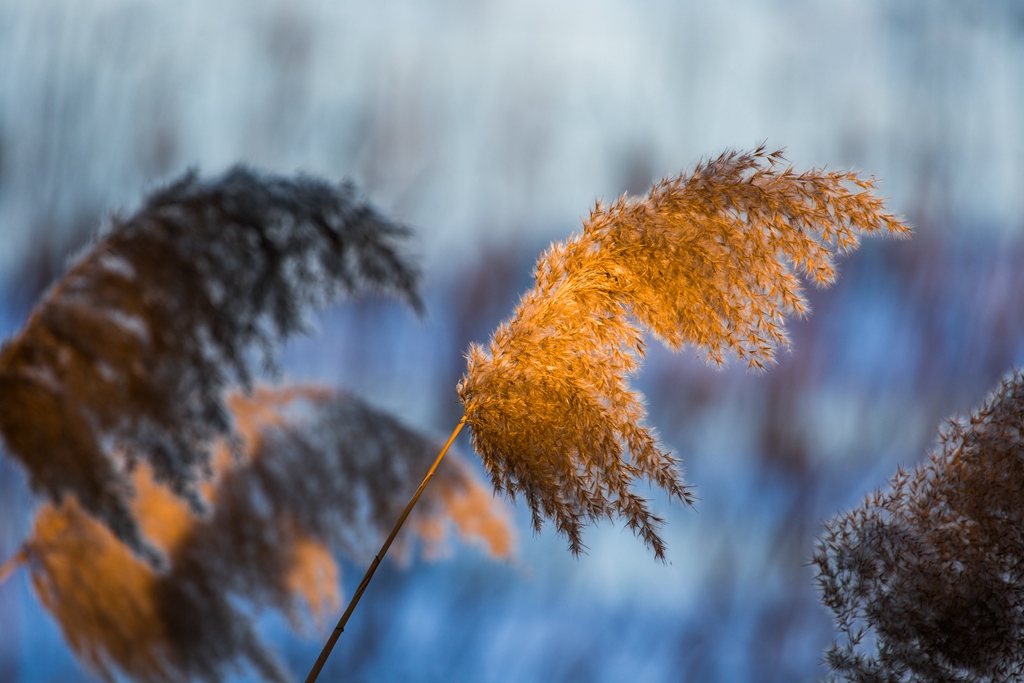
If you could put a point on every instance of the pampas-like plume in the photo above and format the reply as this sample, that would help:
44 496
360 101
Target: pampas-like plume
926 579
132 350
709 259
322 470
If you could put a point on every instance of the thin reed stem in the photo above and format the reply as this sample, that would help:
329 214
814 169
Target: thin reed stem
11 564
329 645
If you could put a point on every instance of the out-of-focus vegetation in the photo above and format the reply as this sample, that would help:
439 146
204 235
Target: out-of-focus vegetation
488 127
114 399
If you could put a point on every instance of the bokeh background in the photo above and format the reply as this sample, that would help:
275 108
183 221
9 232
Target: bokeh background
491 127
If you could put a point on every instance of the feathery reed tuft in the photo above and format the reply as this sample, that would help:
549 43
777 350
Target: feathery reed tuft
131 351
321 470
925 580
710 259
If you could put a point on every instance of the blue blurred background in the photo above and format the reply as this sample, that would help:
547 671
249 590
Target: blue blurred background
491 127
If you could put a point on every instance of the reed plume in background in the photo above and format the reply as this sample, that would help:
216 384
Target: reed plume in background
710 259
321 472
926 579
128 356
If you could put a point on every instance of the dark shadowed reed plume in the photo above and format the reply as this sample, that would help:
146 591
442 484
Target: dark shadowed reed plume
128 356
926 579
321 472
710 259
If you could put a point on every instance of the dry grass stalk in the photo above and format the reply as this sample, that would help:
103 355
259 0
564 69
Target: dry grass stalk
710 259
132 350
322 470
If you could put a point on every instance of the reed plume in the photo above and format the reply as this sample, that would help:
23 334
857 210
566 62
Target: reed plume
128 356
710 259
320 474
926 579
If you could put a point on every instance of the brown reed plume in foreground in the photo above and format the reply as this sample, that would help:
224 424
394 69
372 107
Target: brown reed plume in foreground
926 579
321 472
128 356
709 259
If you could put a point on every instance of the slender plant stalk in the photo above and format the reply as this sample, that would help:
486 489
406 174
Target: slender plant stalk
329 645
11 564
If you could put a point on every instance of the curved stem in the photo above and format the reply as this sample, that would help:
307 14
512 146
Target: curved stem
12 563
329 645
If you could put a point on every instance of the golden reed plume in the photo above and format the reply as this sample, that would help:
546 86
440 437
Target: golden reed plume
710 259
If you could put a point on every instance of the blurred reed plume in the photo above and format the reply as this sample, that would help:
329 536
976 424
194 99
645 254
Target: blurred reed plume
321 472
128 356
710 259
925 580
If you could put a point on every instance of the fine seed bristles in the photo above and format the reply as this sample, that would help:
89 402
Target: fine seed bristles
710 259
128 356
925 579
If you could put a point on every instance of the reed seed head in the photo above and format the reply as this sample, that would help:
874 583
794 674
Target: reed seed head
711 259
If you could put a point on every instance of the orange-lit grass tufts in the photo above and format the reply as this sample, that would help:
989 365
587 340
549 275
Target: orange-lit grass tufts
710 259
320 474
99 592
463 500
11 564
314 579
